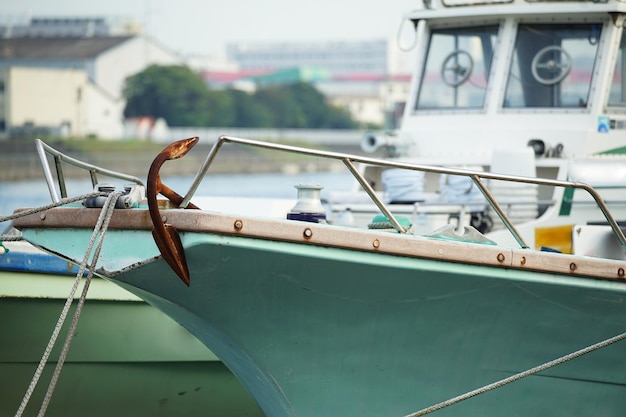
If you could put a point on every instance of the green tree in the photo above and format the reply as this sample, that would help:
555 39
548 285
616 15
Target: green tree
174 93
248 112
301 105
312 104
221 109
285 111
181 97
340 118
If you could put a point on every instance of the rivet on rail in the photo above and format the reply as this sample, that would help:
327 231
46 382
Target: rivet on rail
308 233
238 225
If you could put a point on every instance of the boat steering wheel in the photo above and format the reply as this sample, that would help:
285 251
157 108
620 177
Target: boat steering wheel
555 61
454 71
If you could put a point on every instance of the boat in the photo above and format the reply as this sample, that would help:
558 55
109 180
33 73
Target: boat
516 307
127 358
520 87
316 318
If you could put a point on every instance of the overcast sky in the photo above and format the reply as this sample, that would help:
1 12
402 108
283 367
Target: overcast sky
206 26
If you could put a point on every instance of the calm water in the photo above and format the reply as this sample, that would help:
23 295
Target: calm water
34 193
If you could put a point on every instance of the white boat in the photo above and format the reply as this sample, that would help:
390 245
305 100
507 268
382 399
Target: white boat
320 319
522 87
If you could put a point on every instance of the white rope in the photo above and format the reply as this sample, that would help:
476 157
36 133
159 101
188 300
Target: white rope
99 229
108 209
61 202
518 376
10 238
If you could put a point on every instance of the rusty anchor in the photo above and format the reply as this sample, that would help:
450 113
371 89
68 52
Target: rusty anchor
165 235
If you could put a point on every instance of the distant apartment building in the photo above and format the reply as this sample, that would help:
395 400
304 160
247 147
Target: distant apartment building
374 100
90 58
338 57
66 27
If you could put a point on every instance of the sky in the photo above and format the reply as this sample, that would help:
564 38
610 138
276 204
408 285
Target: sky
205 27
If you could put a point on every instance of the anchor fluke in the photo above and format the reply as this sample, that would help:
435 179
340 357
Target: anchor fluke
173 252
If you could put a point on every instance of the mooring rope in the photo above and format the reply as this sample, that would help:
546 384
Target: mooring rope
99 231
11 238
519 376
63 201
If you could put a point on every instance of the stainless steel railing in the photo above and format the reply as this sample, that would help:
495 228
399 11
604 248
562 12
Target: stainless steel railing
350 161
59 158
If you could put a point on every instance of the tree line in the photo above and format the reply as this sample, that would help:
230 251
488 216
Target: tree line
181 97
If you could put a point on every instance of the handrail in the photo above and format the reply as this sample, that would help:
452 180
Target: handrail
59 158
349 160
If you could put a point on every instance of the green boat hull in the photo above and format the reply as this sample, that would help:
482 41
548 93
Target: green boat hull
331 333
320 331
126 359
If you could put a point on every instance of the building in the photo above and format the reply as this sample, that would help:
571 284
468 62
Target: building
379 57
371 99
55 101
67 27
48 60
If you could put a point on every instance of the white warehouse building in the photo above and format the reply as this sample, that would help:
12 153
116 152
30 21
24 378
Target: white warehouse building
70 81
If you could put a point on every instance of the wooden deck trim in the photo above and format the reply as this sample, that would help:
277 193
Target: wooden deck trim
339 237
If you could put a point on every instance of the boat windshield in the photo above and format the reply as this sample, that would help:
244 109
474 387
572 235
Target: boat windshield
618 86
457 68
552 65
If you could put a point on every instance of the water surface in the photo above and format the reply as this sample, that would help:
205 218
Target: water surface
34 193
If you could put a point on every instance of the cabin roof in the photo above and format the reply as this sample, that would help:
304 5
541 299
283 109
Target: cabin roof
464 9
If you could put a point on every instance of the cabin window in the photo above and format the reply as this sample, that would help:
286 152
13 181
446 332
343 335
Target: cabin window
618 86
457 68
552 65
